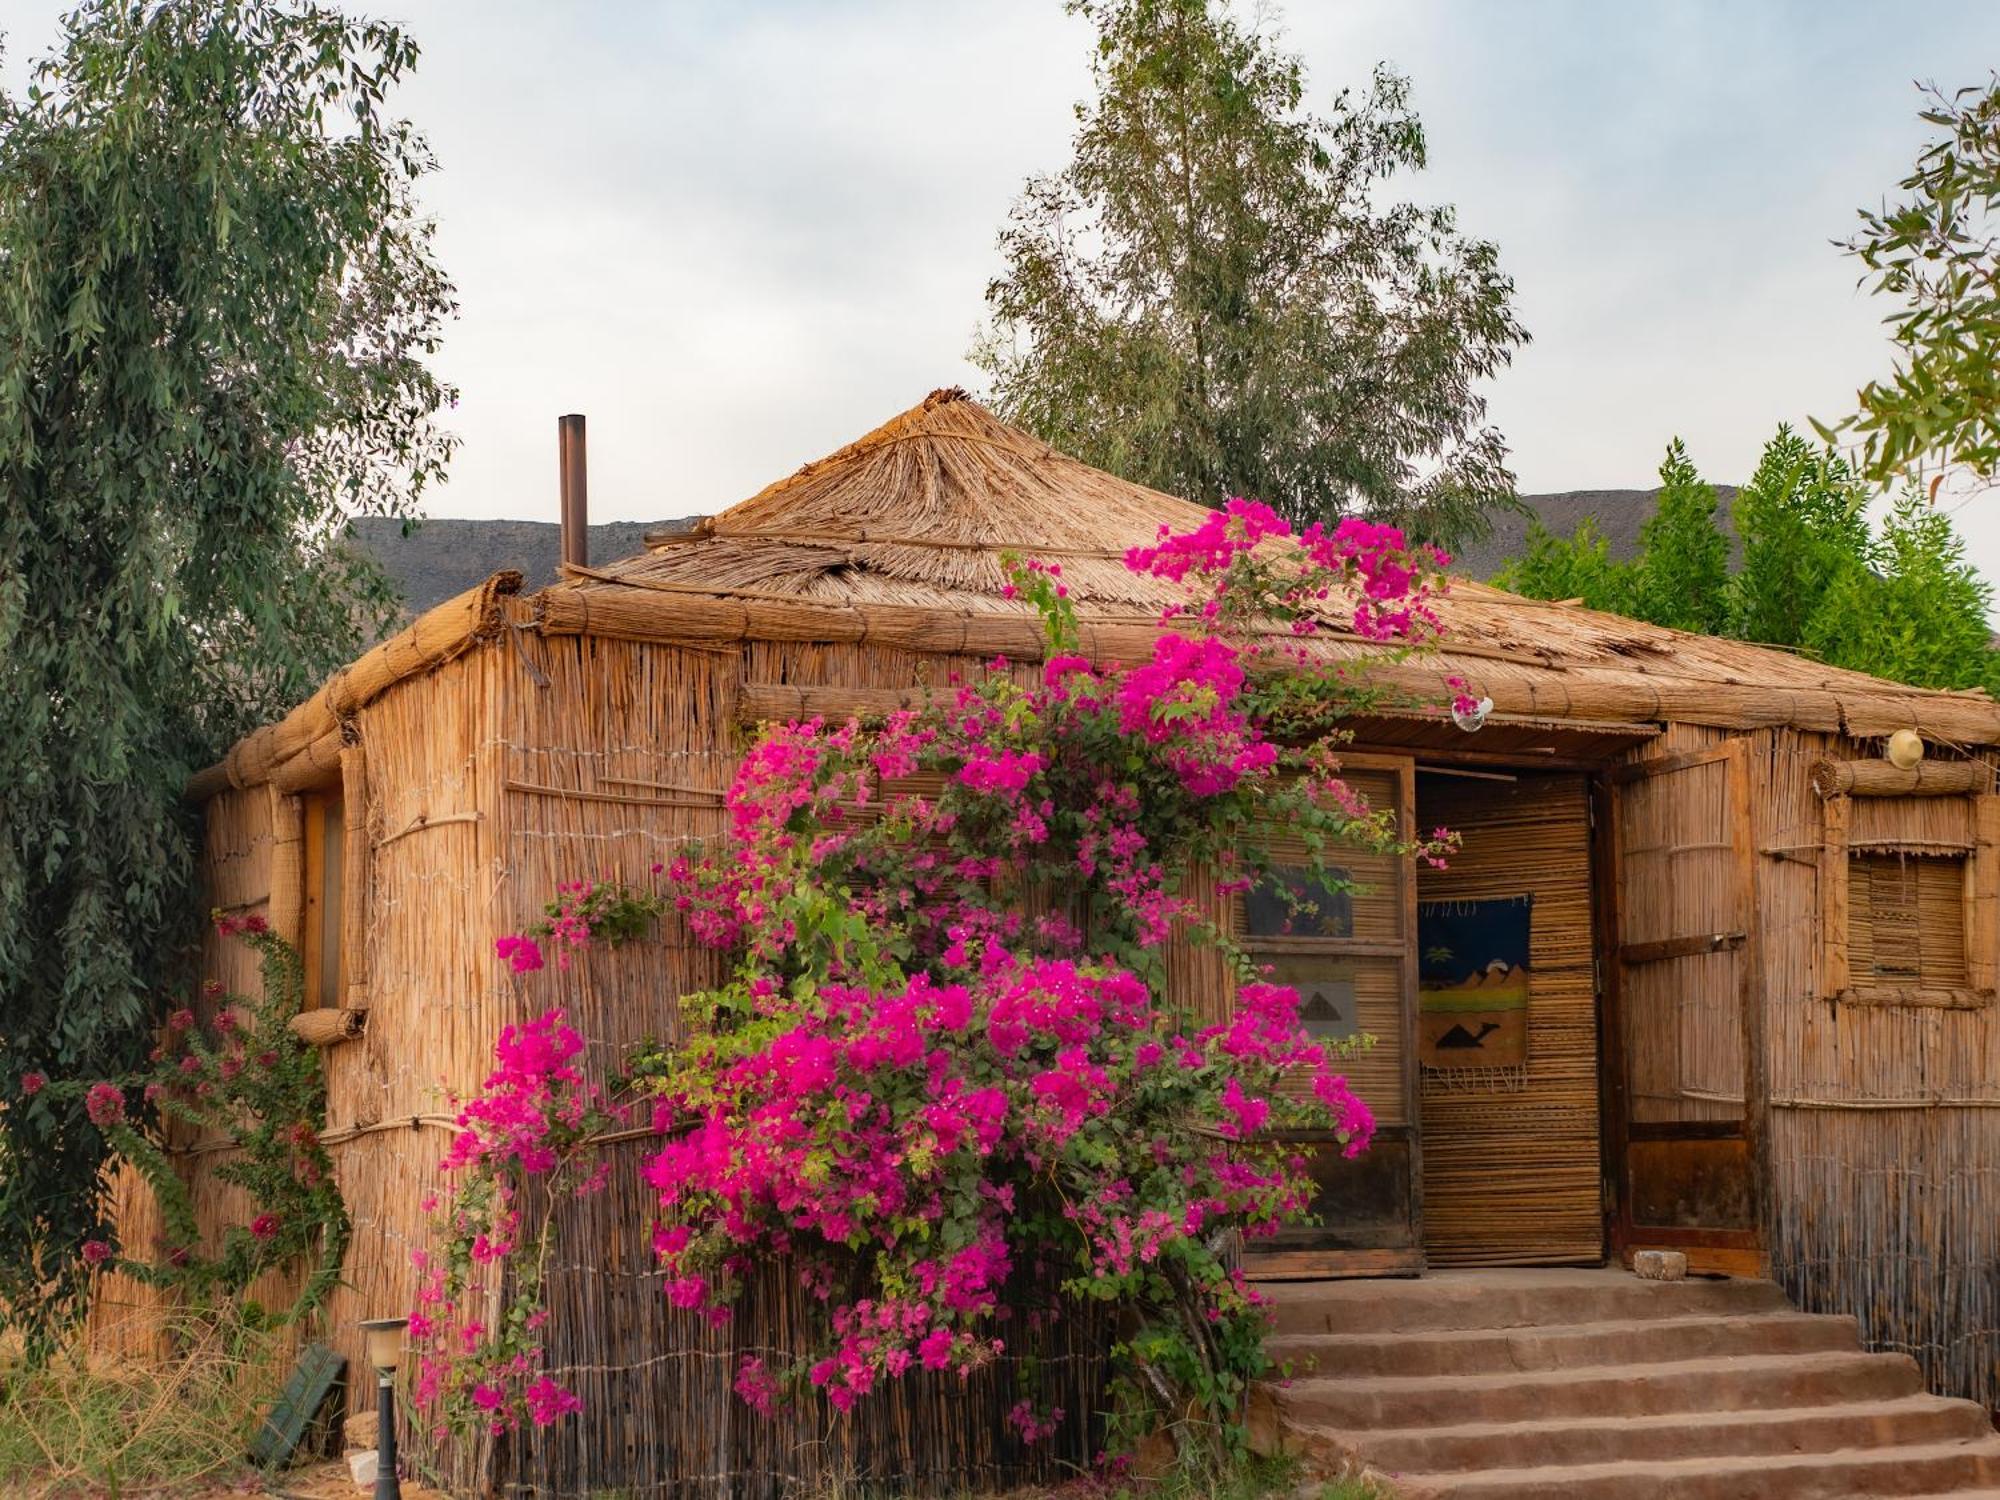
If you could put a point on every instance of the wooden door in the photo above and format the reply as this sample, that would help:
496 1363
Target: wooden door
1683 1044
1355 972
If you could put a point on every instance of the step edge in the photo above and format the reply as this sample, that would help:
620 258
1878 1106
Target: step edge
1818 1359
1749 1417
1902 1453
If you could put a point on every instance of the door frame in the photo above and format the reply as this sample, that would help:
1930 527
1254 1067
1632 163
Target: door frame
1408 1260
1728 1251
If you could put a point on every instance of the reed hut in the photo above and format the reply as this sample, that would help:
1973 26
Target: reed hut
1749 965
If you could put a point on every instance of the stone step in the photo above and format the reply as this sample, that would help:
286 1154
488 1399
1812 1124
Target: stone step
1741 1383
1486 1351
1590 1440
1453 1300
1848 1474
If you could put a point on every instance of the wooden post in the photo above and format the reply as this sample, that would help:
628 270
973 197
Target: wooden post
288 876
1982 897
1833 896
354 875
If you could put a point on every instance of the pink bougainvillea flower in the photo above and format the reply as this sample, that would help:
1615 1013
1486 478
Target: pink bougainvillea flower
523 954
96 1252
32 1083
264 1226
549 1402
105 1104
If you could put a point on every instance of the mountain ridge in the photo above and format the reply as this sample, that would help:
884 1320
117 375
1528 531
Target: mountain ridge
446 555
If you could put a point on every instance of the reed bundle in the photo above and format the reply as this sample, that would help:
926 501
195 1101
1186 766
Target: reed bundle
329 1025
1878 778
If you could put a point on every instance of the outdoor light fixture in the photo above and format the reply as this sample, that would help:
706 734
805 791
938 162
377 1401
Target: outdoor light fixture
1905 749
1472 718
384 1340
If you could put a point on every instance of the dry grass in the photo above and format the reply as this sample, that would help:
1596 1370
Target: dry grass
78 1427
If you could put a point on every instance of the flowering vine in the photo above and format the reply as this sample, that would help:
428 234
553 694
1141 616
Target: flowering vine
949 1069
244 1079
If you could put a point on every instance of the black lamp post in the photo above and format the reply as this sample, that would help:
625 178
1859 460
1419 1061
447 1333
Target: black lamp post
385 1352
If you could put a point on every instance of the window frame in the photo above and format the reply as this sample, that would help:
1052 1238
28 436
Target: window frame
1980 911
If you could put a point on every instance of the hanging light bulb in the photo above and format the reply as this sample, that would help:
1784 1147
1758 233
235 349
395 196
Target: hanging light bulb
1470 719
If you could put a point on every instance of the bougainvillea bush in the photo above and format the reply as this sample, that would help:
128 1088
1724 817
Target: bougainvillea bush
246 1082
947 1074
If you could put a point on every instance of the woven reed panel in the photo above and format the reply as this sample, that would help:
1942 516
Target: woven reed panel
1906 919
1511 1176
1678 877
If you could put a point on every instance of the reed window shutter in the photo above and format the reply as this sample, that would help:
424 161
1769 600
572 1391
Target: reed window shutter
1910 915
1906 920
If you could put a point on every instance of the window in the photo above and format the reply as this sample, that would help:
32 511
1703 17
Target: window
1909 893
1906 920
1344 950
321 950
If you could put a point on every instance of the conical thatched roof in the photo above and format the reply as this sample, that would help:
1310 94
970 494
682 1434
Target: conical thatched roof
919 512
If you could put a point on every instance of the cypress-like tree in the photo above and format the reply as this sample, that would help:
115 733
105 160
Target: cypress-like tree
1919 614
215 303
1210 299
1802 525
1578 566
1683 575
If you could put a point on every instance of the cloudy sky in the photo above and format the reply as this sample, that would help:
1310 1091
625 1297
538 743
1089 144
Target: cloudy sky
737 233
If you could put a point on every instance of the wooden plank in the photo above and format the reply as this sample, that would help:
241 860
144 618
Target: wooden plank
355 866
1982 896
1331 1265
1406 792
1613 1093
1836 813
1680 947
312 908
1750 984
1661 765
308 1389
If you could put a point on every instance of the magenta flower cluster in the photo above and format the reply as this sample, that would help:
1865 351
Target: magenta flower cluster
948 1076
534 1113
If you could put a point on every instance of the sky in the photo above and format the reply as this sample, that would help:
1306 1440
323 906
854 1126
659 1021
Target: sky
739 233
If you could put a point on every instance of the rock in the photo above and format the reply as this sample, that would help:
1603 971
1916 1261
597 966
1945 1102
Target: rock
1660 1265
360 1430
362 1467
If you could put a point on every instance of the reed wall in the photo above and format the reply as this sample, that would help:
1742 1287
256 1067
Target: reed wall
1885 1119
610 757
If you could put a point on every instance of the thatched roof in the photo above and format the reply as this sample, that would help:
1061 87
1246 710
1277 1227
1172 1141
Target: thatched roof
918 512
897 539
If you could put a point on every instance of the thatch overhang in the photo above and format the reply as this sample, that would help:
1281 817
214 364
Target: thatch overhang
898 538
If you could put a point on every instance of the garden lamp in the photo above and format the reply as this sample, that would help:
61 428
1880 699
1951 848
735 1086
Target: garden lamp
384 1344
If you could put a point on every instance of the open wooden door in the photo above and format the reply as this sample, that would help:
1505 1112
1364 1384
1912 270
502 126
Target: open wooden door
1355 972
1683 1046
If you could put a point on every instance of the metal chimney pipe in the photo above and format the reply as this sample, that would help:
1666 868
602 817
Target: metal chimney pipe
575 471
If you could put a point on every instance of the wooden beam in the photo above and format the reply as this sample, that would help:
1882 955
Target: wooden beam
1982 896
1680 947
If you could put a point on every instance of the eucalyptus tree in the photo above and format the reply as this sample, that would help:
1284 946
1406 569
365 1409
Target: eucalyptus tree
217 298
1217 296
1935 251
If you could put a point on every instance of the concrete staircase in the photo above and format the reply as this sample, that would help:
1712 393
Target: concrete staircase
1595 1385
